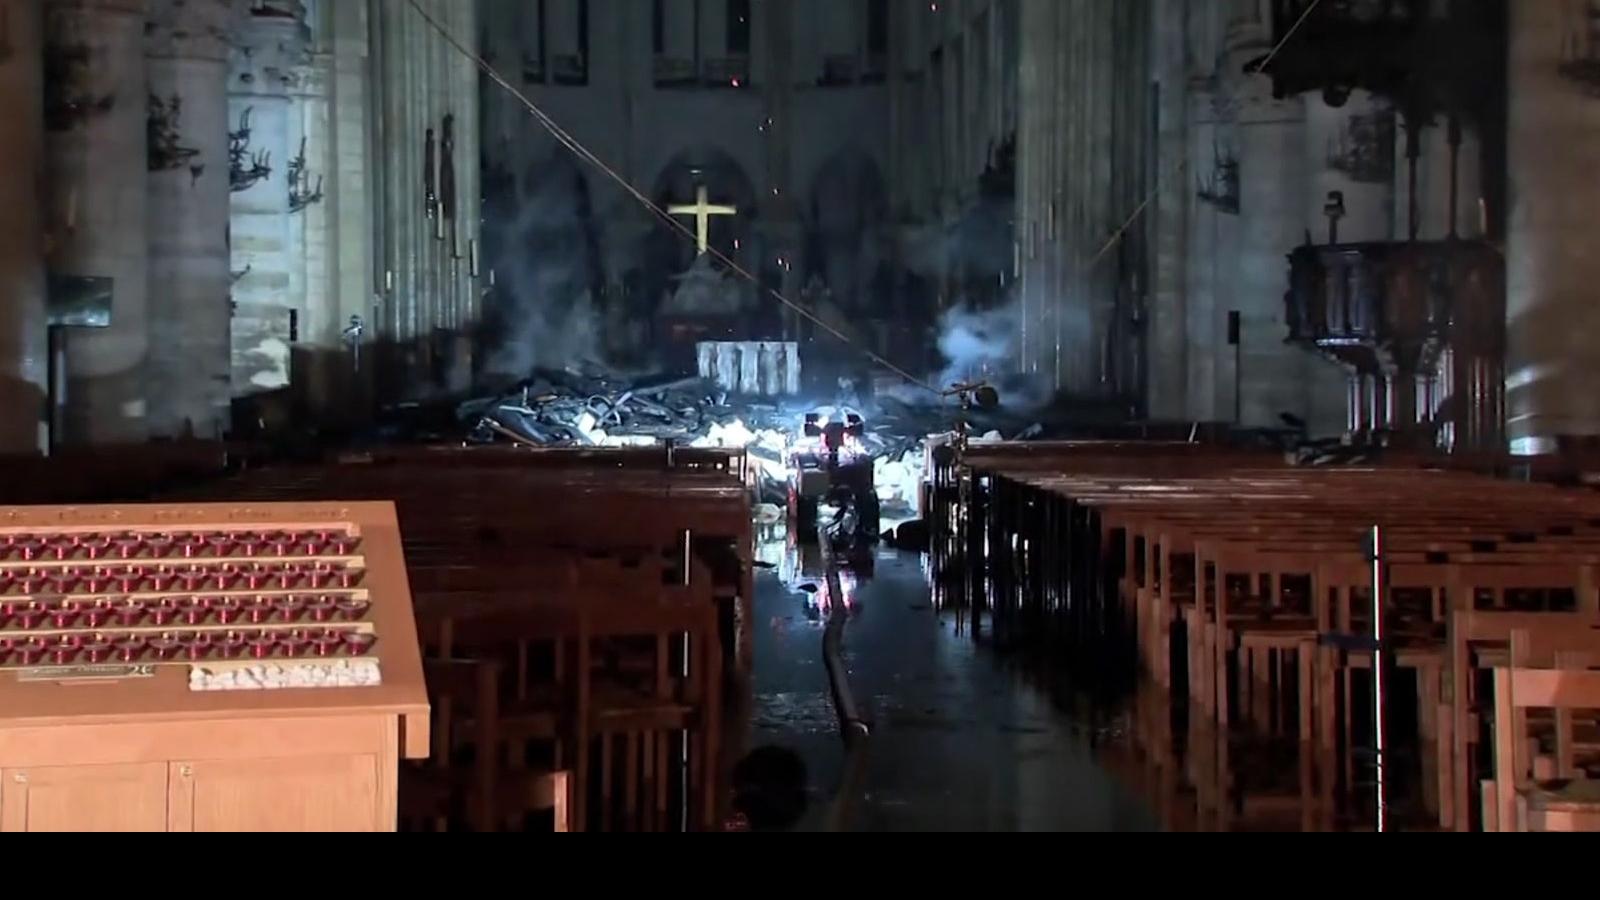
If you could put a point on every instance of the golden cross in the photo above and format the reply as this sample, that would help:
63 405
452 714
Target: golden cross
702 210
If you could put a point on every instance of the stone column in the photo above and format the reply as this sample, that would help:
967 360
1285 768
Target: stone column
1552 319
1169 341
1276 377
338 388
96 103
1068 299
313 241
1209 268
190 368
271 44
1036 74
24 364
469 192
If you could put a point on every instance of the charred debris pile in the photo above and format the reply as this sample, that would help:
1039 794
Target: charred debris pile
593 407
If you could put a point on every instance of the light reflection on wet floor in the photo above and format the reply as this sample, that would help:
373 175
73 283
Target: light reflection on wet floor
961 740
965 738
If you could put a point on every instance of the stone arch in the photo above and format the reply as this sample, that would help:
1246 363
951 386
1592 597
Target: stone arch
667 252
846 218
726 183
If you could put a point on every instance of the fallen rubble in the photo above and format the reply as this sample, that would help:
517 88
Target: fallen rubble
595 408
565 408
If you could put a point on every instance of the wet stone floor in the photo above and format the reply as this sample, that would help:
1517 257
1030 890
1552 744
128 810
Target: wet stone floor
962 739
966 738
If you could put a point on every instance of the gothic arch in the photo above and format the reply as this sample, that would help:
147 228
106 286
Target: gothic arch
846 218
667 252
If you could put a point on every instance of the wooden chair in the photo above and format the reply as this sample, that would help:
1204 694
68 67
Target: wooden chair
1517 800
1481 639
613 627
666 685
463 780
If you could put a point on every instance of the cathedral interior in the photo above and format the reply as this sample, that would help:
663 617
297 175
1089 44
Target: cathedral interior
472 415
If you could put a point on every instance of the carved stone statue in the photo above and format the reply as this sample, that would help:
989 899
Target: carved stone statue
705 291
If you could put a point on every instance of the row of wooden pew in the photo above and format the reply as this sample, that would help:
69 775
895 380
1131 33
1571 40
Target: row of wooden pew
1246 584
581 617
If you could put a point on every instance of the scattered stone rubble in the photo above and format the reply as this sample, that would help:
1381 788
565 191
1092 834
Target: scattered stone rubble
596 408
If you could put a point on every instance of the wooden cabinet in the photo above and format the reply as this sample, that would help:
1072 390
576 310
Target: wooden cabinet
84 798
302 774
92 747
316 793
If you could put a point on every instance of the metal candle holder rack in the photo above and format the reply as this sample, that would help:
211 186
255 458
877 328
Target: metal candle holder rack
213 599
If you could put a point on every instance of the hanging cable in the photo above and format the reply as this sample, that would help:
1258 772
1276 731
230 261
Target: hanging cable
1272 54
1139 210
578 149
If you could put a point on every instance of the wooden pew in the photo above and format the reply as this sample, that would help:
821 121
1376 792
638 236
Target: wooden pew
458 513
1545 672
594 702
1262 563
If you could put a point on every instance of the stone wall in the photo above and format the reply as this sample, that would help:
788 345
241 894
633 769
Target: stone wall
1226 180
97 198
24 364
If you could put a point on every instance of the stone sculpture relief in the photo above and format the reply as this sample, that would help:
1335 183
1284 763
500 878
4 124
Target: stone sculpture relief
168 153
246 169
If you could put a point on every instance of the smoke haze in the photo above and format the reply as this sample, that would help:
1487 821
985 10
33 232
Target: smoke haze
978 344
545 274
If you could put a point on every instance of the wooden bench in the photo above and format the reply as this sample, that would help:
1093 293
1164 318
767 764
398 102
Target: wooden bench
1263 567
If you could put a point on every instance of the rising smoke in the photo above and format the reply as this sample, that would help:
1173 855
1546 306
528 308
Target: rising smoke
546 271
978 344
986 345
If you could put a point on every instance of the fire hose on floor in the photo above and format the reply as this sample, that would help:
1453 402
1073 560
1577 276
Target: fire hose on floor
852 728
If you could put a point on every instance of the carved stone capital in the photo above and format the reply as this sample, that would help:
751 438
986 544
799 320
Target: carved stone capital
192 29
310 79
79 36
271 42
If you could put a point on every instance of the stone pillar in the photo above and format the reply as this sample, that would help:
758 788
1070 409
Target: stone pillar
1169 343
465 106
1068 299
1208 273
24 365
340 388
190 368
95 116
1552 319
1276 377
271 44
1036 72
1086 323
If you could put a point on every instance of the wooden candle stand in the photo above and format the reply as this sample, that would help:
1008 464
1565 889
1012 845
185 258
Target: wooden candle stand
157 663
